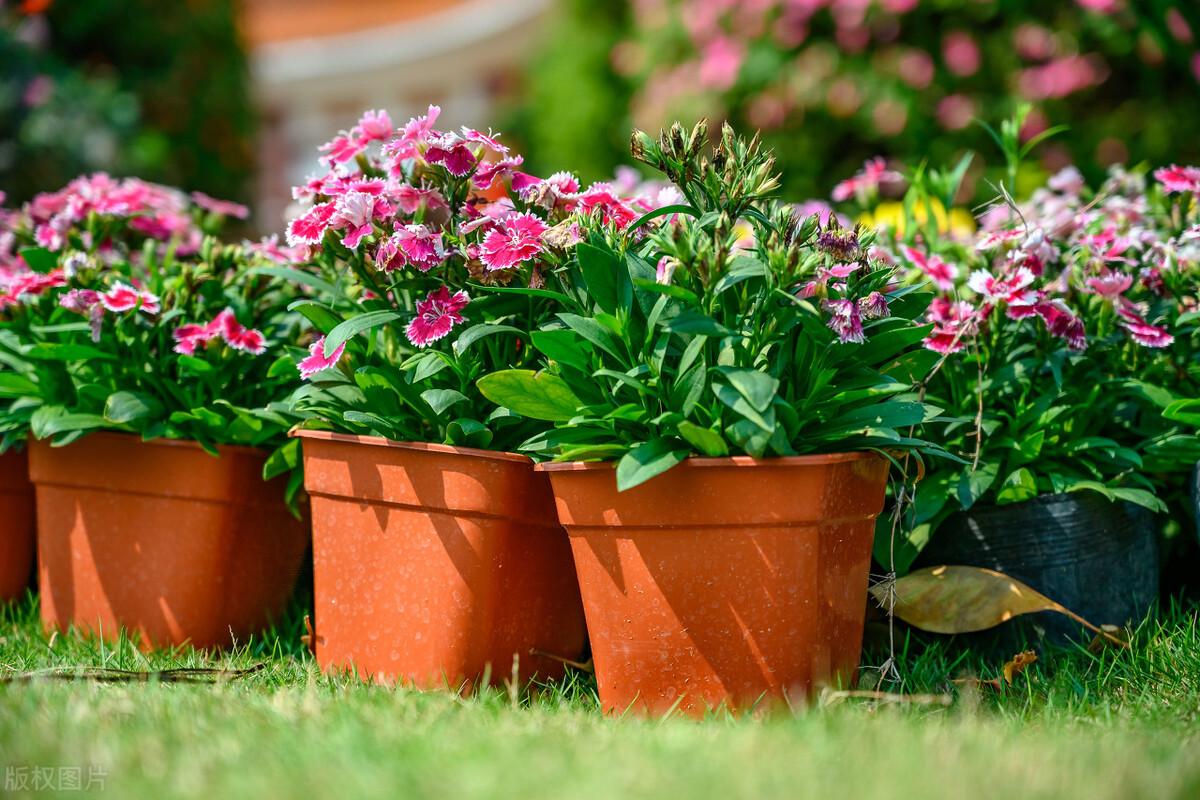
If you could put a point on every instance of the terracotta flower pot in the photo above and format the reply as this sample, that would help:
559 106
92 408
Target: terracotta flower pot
433 564
162 539
16 525
725 582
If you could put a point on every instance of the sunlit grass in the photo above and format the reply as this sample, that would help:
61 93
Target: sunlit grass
1117 723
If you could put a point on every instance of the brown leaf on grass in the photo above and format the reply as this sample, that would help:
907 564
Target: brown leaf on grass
954 599
1018 664
308 640
1012 668
1110 636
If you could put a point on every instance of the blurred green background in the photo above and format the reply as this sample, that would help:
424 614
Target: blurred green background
164 90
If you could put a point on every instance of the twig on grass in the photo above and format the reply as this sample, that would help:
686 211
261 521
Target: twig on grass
829 698
111 675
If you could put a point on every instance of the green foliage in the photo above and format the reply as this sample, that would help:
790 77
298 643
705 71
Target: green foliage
713 352
130 86
833 89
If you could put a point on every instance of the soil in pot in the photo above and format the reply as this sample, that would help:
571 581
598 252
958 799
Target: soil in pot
1096 557
437 566
162 539
16 525
732 582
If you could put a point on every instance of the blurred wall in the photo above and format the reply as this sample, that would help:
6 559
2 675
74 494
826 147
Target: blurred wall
316 66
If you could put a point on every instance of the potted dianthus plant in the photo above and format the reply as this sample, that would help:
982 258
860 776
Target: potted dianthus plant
17 532
1060 324
438 558
144 360
719 414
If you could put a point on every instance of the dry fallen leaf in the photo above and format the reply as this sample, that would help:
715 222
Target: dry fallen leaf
1109 636
1017 664
307 639
954 599
1012 668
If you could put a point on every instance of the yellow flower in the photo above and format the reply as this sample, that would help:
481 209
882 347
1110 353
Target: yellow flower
958 222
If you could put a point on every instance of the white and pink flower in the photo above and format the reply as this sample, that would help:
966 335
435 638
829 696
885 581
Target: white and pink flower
188 338
845 319
437 314
317 361
1176 179
122 297
938 271
517 239
1009 288
867 181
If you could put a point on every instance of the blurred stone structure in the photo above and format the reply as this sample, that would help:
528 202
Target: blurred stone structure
318 64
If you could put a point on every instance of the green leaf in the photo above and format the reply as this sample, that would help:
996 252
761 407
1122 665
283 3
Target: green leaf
974 483
282 367
751 438
547 294
323 286
426 365
1185 411
441 399
743 268
198 366
692 321
889 414
880 347
757 387
284 458
39 259
537 395
706 440
741 406
124 407
380 389
662 211
477 332
67 352
647 461
354 326
372 421
322 317
468 433
601 273
13 385
667 289
1140 497
1018 486
66 327
563 347
595 333
49 420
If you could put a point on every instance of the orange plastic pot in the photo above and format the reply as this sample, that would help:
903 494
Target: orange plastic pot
162 539
723 583
16 525
436 566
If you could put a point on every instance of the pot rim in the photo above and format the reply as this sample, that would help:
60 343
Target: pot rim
158 441
704 462
427 447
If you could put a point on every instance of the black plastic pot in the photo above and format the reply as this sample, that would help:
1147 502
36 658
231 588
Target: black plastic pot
1096 557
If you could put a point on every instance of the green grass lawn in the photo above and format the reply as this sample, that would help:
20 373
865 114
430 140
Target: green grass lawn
1113 724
